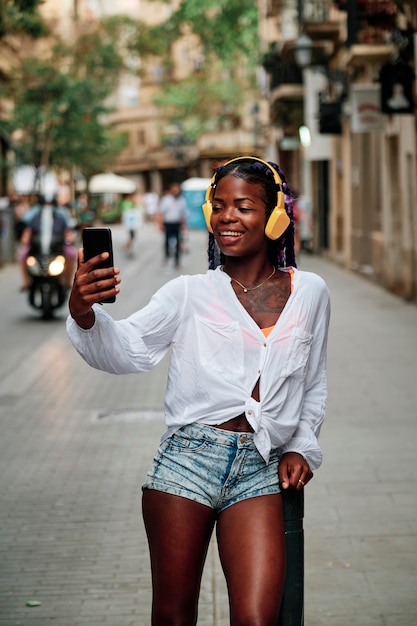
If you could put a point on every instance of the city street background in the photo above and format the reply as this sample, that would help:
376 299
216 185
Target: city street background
75 445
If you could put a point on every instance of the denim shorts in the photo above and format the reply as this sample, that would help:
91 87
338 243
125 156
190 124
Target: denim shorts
212 466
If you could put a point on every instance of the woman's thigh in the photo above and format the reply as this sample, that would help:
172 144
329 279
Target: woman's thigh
251 542
178 531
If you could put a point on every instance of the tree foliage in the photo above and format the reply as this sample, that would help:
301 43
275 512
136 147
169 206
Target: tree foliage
135 39
58 105
199 103
227 29
21 17
228 35
228 51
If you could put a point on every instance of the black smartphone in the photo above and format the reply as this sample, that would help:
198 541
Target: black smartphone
96 241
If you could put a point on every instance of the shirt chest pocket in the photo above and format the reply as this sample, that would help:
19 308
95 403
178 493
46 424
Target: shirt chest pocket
220 346
294 352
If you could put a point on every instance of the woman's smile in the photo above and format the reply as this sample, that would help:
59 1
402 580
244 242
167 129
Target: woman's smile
230 233
238 215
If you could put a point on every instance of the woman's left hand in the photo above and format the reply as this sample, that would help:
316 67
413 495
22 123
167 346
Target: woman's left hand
294 471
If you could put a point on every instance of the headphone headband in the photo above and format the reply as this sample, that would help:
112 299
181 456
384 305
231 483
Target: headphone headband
275 174
277 177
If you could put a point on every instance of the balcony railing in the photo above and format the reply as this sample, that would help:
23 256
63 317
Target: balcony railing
316 10
311 10
282 72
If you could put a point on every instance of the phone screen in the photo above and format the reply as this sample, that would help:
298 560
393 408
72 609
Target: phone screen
96 241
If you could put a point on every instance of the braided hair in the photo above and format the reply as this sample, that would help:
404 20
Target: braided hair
281 251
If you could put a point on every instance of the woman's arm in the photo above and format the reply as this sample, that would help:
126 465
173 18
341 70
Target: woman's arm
134 344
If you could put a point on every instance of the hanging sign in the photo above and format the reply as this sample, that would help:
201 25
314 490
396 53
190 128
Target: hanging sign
396 88
366 110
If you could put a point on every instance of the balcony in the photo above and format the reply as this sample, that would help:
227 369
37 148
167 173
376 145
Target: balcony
282 72
373 54
286 85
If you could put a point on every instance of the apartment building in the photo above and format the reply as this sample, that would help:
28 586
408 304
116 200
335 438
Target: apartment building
342 110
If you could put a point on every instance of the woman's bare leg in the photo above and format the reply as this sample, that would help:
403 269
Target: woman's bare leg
251 541
179 532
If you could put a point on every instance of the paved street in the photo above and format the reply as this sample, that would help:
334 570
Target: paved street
75 445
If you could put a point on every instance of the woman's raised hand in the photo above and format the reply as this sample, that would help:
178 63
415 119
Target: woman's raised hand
91 285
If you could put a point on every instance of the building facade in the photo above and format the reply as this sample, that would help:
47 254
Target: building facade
354 99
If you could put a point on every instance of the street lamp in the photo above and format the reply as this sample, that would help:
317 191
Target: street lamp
303 50
179 145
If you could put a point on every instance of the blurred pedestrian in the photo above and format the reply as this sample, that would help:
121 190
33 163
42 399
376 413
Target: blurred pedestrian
83 214
245 397
21 206
150 205
132 217
173 218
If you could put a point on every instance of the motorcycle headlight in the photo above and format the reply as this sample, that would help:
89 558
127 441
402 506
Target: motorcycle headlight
56 266
33 266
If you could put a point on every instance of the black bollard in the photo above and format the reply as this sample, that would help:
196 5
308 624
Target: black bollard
292 605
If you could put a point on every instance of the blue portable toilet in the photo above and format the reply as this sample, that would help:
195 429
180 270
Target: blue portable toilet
194 192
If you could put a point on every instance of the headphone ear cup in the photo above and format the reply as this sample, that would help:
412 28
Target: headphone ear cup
207 209
277 223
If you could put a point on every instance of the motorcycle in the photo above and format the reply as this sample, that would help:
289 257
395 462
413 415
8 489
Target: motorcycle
47 291
46 261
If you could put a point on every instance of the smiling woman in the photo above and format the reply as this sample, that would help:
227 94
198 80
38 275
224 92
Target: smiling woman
245 396
246 214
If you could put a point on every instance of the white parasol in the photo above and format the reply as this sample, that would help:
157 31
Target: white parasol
111 183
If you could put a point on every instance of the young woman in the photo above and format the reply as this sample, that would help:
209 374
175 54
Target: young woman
245 397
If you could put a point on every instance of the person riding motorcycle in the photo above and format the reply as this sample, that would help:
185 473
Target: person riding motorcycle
47 229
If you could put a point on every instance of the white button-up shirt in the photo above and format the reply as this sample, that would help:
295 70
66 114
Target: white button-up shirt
219 353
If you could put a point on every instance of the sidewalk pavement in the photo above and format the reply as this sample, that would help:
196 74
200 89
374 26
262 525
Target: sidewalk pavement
75 445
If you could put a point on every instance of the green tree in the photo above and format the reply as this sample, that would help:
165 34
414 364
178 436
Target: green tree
228 29
228 35
136 39
19 17
58 105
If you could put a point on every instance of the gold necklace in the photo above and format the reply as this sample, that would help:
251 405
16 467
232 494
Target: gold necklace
246 289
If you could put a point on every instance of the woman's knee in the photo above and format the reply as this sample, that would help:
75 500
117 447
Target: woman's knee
168 614
254 618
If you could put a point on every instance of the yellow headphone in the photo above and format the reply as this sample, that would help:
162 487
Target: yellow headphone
277 222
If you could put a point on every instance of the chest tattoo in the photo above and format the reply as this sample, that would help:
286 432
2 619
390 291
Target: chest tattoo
266 304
